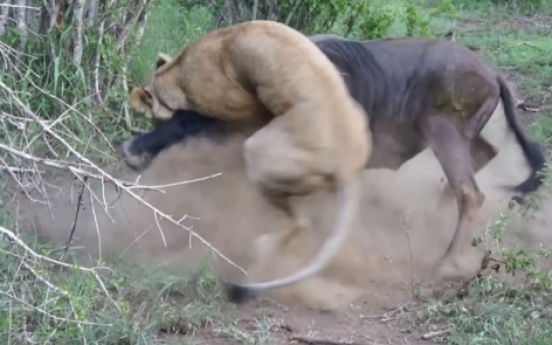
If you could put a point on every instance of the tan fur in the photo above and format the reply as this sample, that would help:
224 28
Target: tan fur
312 132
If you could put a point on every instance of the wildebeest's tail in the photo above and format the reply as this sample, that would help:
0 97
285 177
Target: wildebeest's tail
531 149
348 195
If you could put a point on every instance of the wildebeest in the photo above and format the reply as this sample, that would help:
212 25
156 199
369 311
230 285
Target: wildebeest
423 93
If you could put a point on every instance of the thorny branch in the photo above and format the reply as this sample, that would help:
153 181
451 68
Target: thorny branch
18 115
21 128
31 143
98 173
16 240
77 211
314 341
101 175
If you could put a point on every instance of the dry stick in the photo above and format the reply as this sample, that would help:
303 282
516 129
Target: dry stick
14 238
41 311
113 180
65 165
392 314
313 341
407 232
431 335
56 289
14 177
78 17
49 162
74 226
98 232
44 281
4 13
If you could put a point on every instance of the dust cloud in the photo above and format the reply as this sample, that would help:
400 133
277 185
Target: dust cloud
406 222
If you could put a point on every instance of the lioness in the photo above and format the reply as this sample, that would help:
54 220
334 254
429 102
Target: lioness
420 93
312 132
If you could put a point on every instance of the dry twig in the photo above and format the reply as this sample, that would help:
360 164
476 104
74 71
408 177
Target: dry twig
98 173
314 341
77 211
395 314
434 334
22 129
15 239
81 167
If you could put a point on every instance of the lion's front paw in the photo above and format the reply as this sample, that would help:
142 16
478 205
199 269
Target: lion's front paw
136 161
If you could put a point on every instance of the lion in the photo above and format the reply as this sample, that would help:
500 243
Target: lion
423 93
305 137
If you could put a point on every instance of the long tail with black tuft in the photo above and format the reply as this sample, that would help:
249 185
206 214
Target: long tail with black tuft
238 294
532 151
348 191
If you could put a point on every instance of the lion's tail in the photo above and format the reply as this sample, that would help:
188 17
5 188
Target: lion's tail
348 197
531 149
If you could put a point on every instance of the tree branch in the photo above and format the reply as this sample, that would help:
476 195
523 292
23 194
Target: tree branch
78 19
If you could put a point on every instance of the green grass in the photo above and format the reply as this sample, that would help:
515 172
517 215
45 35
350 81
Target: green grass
490 311
493 317
48 304
138 305
171 26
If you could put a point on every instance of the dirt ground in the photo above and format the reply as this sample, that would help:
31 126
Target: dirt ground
407 220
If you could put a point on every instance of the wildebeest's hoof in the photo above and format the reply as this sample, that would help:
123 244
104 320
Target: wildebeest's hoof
450 270
517 201
136 161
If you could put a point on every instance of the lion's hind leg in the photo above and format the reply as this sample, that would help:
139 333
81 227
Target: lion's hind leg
287 204
284 170
290 166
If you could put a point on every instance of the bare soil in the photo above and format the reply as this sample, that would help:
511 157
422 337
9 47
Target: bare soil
364 297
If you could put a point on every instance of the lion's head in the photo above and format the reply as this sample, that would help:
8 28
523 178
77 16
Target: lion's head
161 97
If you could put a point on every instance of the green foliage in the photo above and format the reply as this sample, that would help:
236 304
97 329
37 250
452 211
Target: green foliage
55 88
526 6
375 22
171 25
417 24
445 8
67 306
493 311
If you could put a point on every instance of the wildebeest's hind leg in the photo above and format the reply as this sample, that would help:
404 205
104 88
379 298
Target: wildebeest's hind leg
482 152
285 172
452 149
